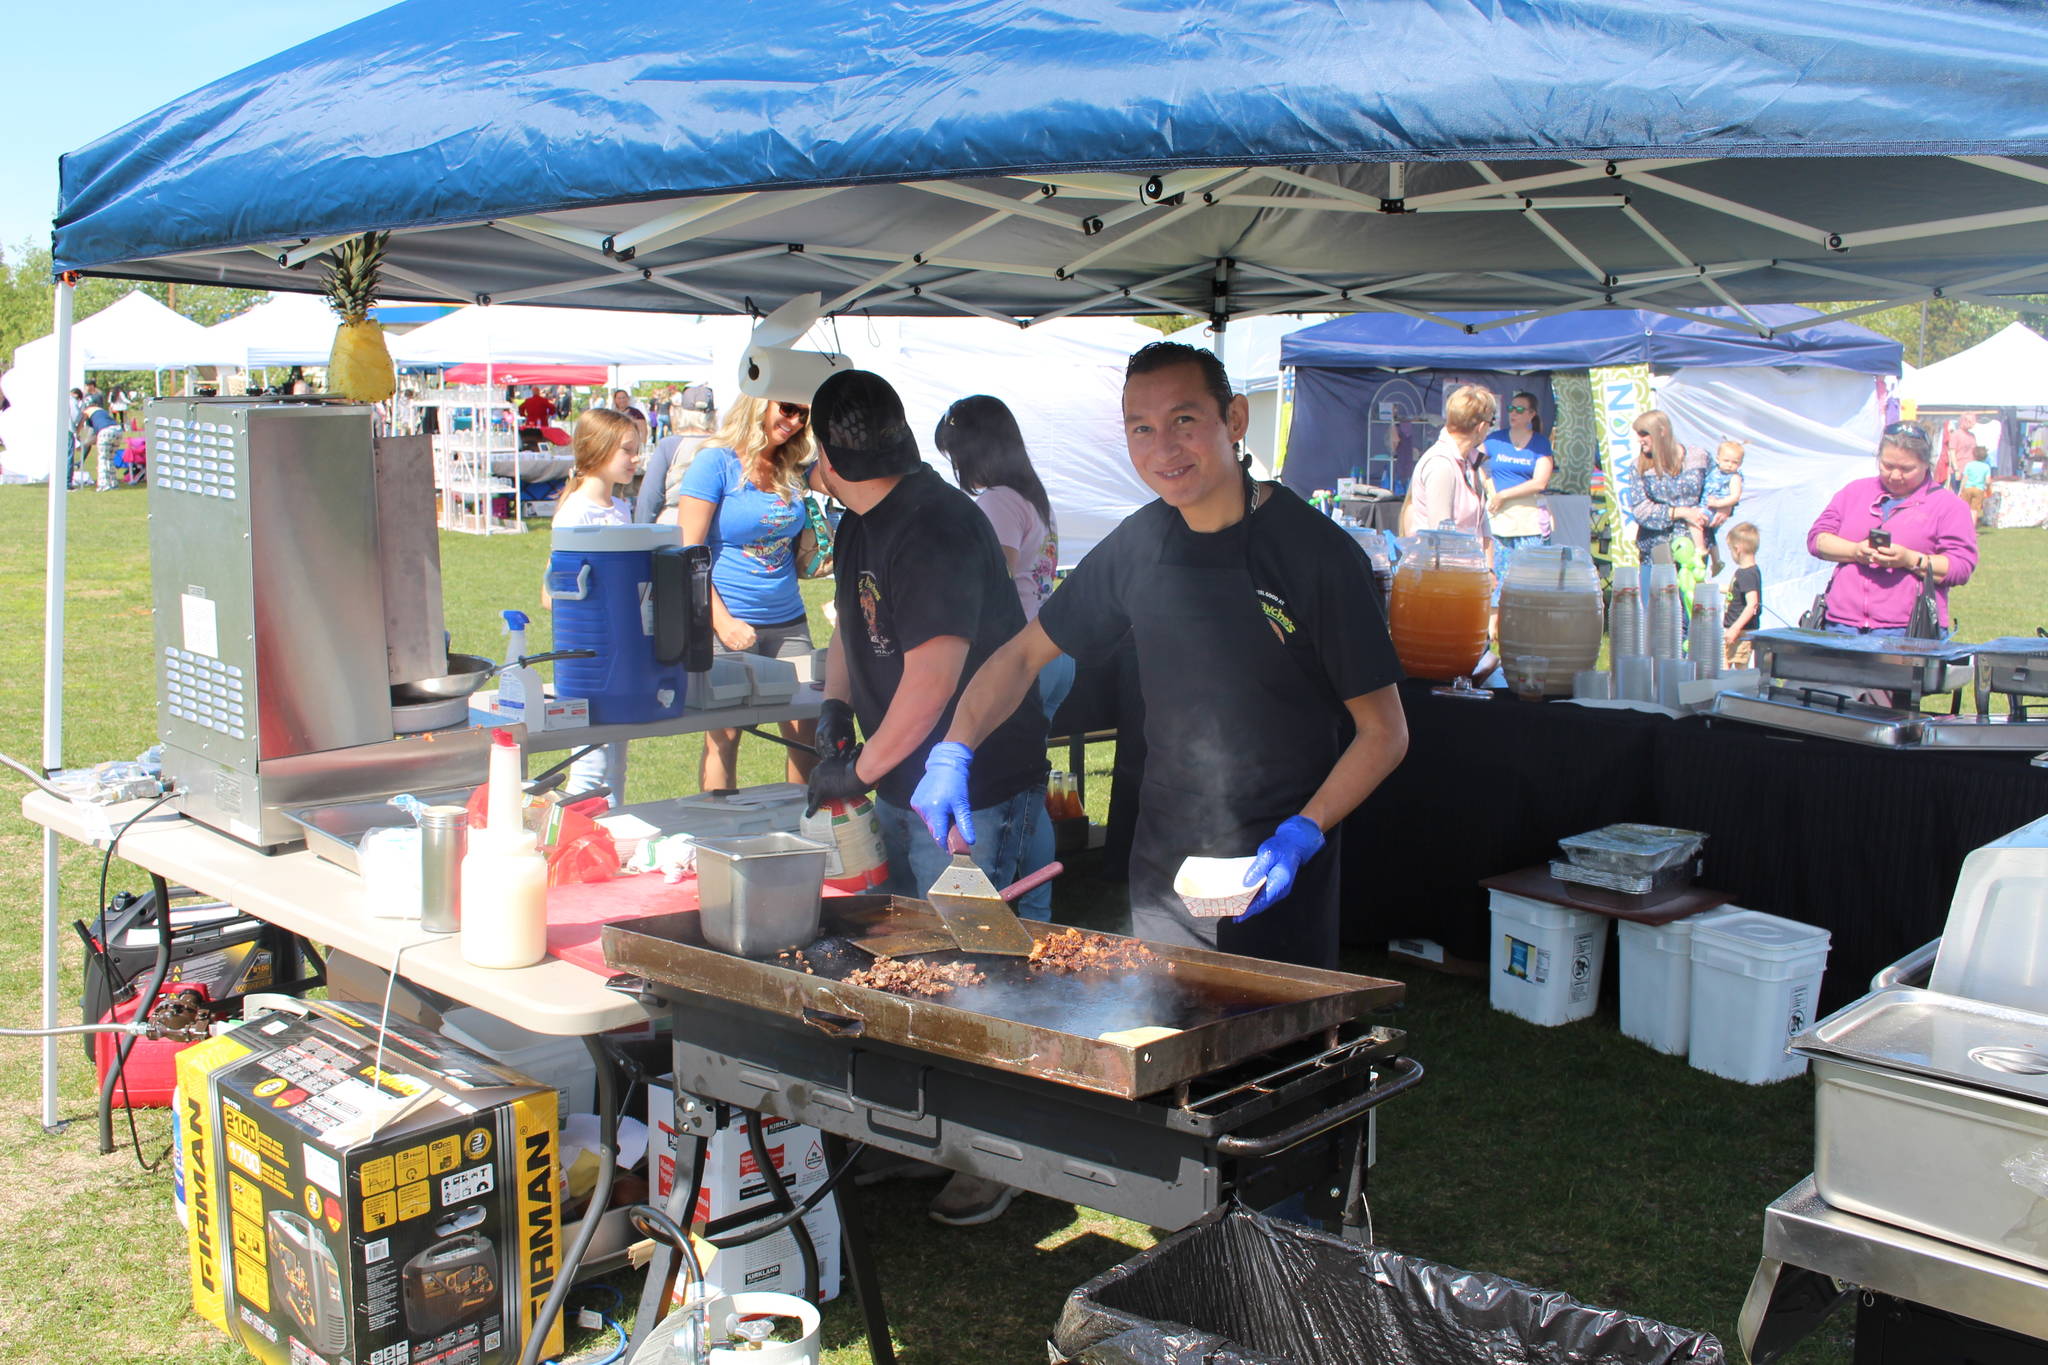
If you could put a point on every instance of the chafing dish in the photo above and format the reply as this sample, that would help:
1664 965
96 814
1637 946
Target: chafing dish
1863 662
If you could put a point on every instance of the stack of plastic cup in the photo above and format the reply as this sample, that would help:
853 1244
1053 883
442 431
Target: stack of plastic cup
1665 611
1706 630
1625 618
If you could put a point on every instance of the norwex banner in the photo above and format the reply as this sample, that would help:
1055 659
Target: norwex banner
1621 393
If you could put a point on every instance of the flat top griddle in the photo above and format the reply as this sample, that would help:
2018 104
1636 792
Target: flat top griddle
1216 1009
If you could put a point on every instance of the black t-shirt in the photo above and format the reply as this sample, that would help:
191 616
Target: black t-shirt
925 563
1313 582
1745 581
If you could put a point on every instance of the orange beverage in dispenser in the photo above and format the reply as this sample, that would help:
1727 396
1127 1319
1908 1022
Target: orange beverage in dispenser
1439 619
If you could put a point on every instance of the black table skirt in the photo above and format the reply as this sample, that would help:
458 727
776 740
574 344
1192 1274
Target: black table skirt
1861 841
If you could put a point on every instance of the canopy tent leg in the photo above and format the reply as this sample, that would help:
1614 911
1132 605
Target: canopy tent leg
53 677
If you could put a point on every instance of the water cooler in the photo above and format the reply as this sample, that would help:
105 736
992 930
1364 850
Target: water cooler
642 602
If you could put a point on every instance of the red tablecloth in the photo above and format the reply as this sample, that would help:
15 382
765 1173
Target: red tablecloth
577 913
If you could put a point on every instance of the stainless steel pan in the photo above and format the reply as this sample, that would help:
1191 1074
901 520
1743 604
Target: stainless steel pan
468 672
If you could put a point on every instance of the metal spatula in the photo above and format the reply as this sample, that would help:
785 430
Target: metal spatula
973 911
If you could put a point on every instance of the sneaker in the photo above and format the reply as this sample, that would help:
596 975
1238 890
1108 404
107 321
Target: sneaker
969 1201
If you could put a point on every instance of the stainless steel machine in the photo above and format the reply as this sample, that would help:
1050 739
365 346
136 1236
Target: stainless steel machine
297 579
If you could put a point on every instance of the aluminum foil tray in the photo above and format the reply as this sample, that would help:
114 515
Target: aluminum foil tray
1631 850
1630 883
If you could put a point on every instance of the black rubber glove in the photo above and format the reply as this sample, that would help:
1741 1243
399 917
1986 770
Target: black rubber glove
835 780
835 736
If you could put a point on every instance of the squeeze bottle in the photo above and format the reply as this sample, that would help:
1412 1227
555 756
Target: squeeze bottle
504 874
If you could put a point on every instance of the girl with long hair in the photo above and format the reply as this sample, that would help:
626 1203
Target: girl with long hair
743 495
990 463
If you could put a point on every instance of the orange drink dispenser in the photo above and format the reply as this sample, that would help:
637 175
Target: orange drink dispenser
1440 604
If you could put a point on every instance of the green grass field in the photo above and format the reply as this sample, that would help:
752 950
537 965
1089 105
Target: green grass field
1571 1158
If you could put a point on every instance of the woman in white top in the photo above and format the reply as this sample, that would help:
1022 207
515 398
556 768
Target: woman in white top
606 447
980 436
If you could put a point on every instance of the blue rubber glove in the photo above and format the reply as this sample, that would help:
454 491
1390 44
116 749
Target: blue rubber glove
1280 857
941 796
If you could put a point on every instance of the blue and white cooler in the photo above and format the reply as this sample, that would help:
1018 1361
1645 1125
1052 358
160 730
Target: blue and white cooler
601 580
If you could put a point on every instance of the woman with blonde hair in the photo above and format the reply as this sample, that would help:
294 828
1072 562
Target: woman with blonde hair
1447 486
743 495
1670 484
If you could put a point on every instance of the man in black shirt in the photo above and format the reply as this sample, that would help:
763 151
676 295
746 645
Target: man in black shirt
1259 640
923 599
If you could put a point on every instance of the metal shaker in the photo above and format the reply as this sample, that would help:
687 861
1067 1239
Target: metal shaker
444 837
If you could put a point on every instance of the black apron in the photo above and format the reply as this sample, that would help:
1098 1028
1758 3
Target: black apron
1239 734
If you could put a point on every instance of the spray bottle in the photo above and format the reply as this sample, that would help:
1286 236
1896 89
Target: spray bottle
504 874
517 684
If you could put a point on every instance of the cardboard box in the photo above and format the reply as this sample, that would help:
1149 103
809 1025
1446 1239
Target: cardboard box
344 1207
733 1184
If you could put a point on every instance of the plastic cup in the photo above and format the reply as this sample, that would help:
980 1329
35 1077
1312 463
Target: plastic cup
1670 674
1635 678
1593 684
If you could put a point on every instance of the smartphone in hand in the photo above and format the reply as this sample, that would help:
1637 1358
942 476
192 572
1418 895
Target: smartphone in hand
1880 539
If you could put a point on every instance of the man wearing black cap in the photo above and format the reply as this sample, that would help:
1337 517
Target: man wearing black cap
923 598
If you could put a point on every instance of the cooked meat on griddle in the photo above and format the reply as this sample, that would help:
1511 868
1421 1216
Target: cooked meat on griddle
1076 950
909 976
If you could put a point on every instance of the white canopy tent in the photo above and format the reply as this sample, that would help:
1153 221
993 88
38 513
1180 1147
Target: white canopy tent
576 336
285 329
2008 370
1808 430
1063 380
133 333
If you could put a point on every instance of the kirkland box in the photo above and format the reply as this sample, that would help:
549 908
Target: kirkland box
733 1184
348 1208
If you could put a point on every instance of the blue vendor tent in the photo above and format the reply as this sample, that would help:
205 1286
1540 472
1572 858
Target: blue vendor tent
1202 156
1342 367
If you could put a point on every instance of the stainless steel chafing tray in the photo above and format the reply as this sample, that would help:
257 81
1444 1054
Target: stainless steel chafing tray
1813 711
1908 1081
1873 662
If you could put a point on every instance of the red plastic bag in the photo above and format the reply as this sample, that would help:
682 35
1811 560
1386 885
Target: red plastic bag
577 848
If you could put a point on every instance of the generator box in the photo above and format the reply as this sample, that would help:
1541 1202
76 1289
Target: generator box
366 1195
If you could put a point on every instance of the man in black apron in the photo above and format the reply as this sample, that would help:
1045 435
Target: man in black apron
1259 641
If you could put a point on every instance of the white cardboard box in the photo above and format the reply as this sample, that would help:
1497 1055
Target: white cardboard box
732 1183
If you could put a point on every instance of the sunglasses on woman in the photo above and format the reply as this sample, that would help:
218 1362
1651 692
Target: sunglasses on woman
1520 407
800 412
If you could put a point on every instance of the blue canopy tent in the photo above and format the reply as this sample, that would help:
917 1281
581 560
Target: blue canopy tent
1342 365
1076 156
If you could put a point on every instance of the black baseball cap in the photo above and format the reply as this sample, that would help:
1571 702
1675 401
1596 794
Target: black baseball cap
859 420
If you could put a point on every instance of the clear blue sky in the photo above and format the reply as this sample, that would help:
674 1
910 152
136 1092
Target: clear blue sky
73 73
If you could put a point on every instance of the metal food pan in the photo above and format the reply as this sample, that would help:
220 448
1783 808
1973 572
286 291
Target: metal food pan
333 831
1125 1032
1864 662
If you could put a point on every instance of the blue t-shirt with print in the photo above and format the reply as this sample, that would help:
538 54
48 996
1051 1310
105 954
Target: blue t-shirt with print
751 539
1506 465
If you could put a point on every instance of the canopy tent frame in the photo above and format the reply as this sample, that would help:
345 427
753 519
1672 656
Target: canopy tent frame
933 276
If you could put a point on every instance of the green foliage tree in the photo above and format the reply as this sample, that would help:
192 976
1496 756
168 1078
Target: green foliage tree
1940 328
27 294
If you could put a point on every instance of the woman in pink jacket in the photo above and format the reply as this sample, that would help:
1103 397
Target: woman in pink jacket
1886 532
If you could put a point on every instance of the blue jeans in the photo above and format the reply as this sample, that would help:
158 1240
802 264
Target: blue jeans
1001 833
604 766
1055 680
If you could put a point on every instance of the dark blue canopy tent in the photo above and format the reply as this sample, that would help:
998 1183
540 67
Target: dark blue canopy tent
1341 367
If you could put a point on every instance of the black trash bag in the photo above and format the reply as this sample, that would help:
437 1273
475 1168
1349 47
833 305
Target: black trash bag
1242 1289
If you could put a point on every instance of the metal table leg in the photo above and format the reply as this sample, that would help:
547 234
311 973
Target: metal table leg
860 1265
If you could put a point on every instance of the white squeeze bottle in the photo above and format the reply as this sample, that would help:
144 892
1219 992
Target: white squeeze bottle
504 875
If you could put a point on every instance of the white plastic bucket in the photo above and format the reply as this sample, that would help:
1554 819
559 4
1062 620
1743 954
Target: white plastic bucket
1755 983
1656 981
563 1063
1545 962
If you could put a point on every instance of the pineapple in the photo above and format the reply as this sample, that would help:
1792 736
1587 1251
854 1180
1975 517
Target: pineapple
359 367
